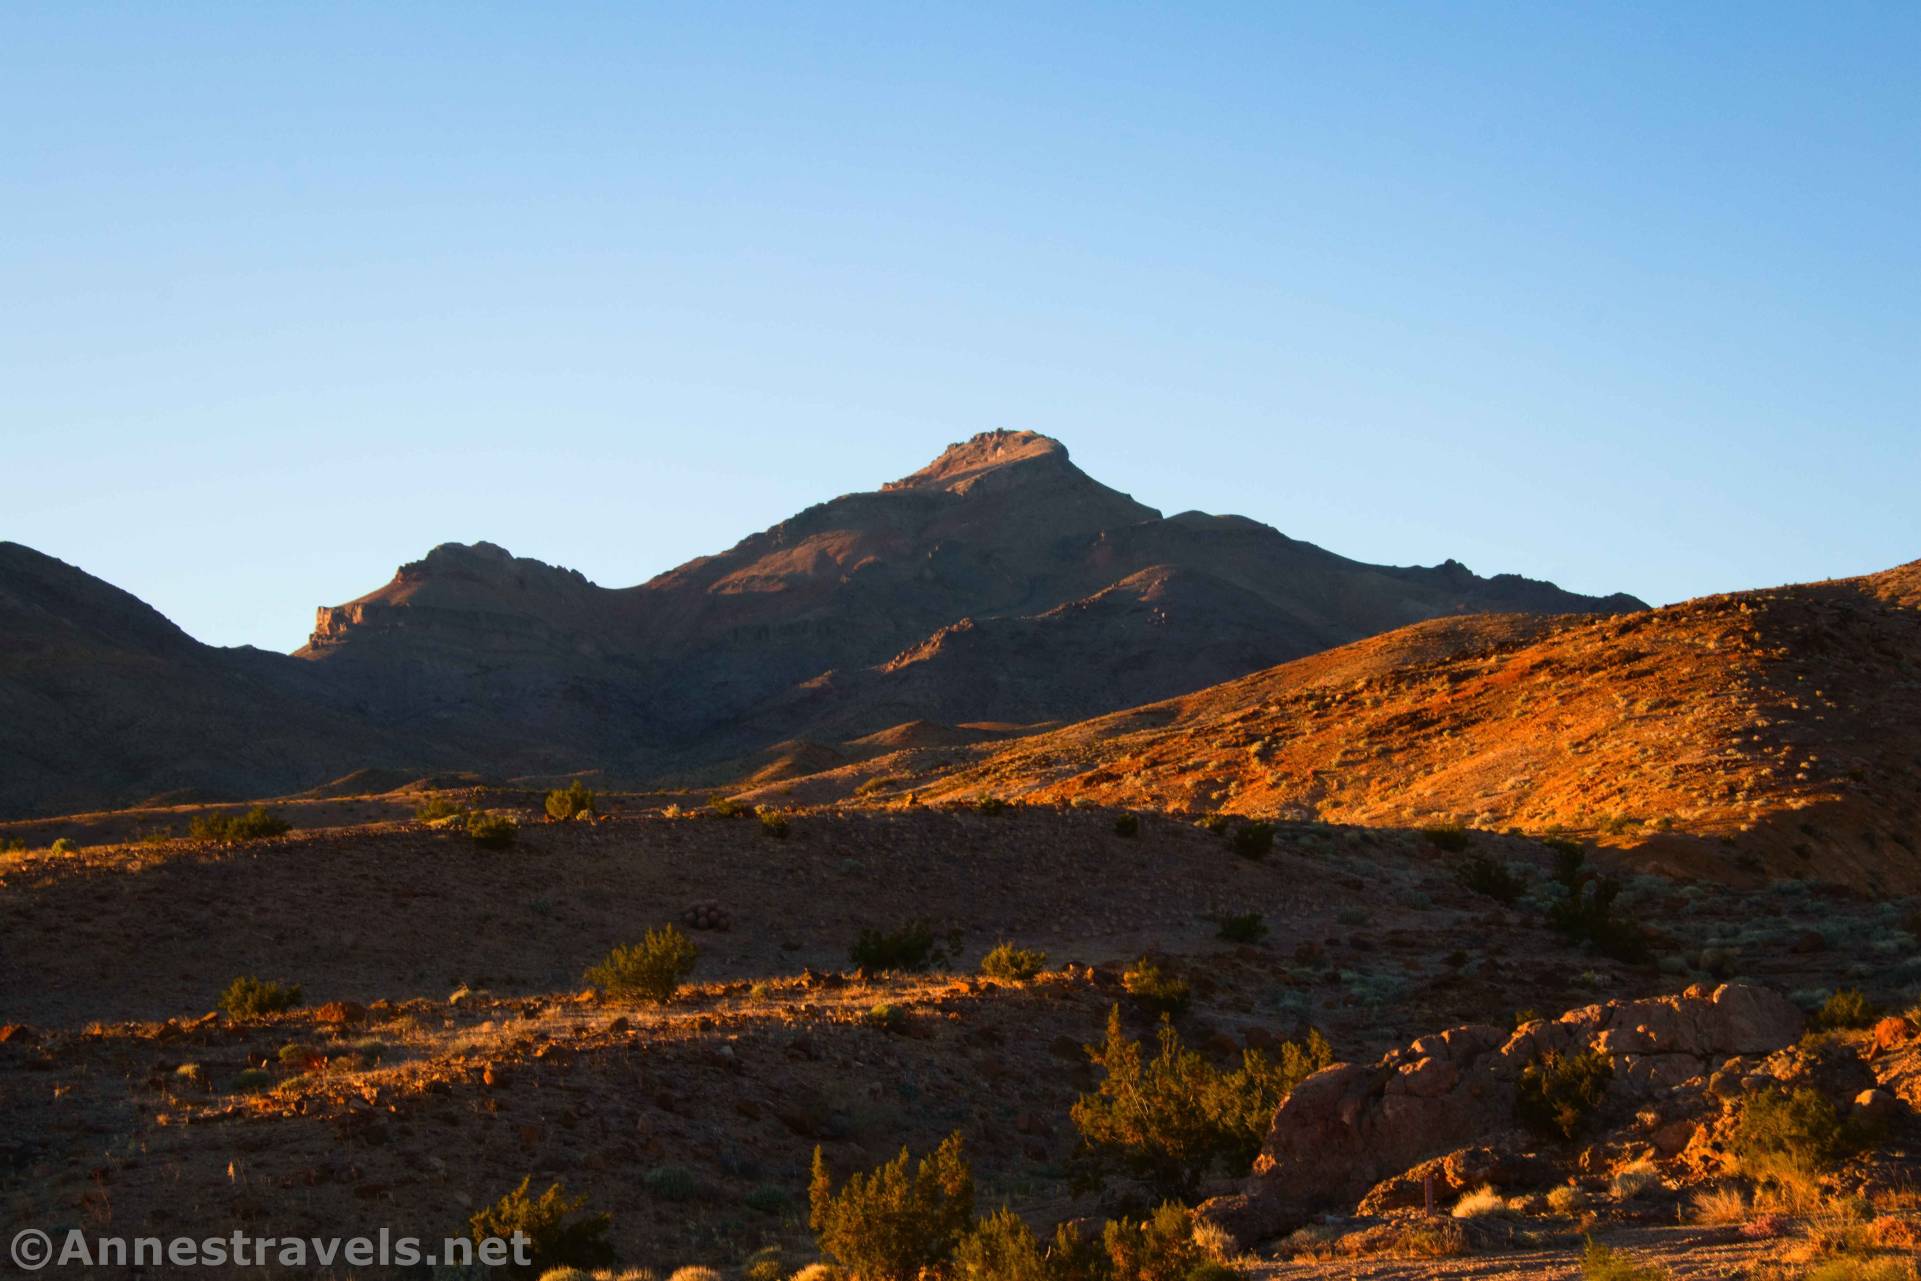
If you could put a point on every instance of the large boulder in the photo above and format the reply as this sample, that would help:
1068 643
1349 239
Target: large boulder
1350 1126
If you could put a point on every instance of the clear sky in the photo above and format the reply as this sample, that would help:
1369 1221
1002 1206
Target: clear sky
1620 295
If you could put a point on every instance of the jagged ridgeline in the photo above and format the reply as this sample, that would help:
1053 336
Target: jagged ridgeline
997 588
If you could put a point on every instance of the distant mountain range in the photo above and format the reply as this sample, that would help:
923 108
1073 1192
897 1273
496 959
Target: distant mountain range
996 591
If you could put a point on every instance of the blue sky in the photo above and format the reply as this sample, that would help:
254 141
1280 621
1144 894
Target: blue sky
1618 295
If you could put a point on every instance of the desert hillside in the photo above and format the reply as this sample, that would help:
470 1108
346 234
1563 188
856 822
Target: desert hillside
1000 584
1732 736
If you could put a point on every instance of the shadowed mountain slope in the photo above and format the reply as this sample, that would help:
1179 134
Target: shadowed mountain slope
999 584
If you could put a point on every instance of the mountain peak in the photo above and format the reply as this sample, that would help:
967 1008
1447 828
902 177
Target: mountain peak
989 451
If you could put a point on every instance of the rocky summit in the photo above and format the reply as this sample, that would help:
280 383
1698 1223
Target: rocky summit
998 586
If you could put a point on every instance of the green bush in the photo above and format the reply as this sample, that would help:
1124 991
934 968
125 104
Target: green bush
1170 1119
728 807
436 808
1604 1263
1560 1092
1490 876
1253 840
1451 837
1787 1137
652 969
773 823
893 1223
990 805
571 801
1586 912
255 824
1848 1008
1001 1247
886 1016
492 831
248 997
252 1079
1128 825
1569 858
555 1237
670 1183
1160 1247
1242 927
907 948
62 845
1154 987
1013 964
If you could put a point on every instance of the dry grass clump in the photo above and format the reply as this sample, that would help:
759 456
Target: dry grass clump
1635 1178
1566 1199
1720 1207
1480 1203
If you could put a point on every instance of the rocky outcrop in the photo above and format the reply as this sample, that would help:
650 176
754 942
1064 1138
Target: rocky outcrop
1349 1126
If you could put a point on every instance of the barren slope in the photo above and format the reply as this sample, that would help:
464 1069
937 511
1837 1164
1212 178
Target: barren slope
1790 719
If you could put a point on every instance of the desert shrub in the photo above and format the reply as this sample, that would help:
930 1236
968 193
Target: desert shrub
256 823
906 948
252 1079
248 997
1450 837
1128 825
1013 964
1253 840
1634 1178
1169 1119
1604 1263
1856 1268
1479 1203
694 1272
767 1198
652 969
571 801
774 824
436 808
892 1223
764 1265
1242 927
1155 987
1586 912
492 831
1160 1247
670 1183
61 845
558 1233
885 1015
1000 1247
1787 1137
990 805
728 807
1569 858
1566 1199
1487 875
1559 1092
1848 1008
